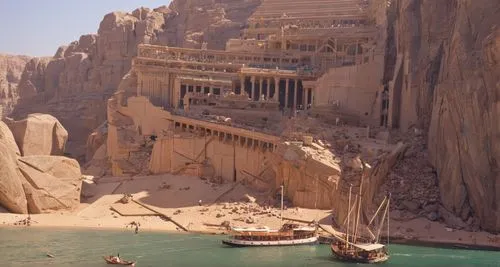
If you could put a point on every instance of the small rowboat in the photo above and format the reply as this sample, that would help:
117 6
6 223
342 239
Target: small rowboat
110 260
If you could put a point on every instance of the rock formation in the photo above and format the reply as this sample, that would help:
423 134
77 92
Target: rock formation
442 63
450 86
12 195
39 134
39 182
75 84
32 82
52 183
11 68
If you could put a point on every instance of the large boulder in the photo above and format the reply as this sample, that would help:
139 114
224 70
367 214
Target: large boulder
12 195
36 184
52 183
7 138
39 134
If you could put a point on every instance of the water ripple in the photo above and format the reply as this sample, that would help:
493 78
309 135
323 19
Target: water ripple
21 247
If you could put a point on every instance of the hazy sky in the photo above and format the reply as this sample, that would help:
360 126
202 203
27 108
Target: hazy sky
39 27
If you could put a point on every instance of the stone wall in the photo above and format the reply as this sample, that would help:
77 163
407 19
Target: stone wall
356 88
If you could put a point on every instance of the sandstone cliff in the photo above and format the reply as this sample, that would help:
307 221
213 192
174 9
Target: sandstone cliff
450 86
75 84
11 68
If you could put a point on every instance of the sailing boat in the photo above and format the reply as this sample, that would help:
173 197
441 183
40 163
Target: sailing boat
288 235
364 251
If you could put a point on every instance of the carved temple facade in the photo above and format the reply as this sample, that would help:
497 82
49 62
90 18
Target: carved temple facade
283 55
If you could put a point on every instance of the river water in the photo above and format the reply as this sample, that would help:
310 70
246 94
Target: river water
78 248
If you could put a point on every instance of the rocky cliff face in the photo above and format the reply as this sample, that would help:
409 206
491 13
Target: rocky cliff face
11 68
75 84
451 77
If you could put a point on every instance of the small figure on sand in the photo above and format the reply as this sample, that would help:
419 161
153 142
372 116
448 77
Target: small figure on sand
199 202
134 224
25 222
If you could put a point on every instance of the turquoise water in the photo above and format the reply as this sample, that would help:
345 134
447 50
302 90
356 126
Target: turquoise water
28 247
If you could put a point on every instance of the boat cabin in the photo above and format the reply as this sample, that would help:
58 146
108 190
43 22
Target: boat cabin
287 232
364 253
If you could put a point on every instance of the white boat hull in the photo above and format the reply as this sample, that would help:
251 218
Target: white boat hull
246 243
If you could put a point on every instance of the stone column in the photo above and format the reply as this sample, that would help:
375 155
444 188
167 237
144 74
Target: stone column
312 98
295 92
276 88
242 85
286 93
261 81
211 90
139 84
268 88
253 89
304 97
356 54
177 93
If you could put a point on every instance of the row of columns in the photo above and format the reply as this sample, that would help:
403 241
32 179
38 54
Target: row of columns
277 80
225 136
307 93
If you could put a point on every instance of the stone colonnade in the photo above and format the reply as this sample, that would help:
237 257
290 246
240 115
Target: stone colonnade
168 90
239 137
260 88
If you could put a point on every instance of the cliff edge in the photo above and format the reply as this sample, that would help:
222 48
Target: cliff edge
450 87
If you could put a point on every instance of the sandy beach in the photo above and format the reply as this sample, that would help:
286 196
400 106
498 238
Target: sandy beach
178 198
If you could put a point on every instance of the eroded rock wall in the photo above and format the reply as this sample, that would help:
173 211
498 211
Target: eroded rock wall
11 68
75 84
451 84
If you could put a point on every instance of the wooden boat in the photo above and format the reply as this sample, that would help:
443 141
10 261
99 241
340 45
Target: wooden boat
356 248
360 253
288 235
110 260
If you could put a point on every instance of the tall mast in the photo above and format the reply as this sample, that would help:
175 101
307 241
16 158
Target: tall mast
382 222
388 218
348 217
281 214
359 202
